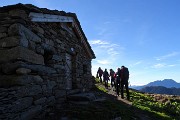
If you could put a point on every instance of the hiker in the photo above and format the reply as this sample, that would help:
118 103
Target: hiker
99 74
106 77
118 78
112 77
124 81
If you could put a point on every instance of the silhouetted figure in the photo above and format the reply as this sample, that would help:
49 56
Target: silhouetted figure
118 78
112 77
124 81
99 74
106 77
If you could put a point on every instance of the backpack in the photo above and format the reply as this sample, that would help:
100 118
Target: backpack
112 74
125 72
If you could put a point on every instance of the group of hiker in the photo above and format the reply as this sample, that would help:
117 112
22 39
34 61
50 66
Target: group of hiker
118 79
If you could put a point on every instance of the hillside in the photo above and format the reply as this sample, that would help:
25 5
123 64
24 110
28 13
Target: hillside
108 106
168 83
161 90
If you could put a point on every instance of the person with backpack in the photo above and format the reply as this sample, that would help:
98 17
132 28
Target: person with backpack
112 77
99 74
117 81
106 77
124 81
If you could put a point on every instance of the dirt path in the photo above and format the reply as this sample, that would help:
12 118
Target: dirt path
139 113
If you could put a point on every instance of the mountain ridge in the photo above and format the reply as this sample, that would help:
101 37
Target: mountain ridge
168 83
161 90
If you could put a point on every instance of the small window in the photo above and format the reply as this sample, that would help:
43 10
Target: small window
84 69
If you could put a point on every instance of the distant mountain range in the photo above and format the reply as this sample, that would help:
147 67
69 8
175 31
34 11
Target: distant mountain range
166 86
168 83
161 90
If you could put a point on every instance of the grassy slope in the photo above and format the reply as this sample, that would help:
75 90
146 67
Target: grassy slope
165 107
143 107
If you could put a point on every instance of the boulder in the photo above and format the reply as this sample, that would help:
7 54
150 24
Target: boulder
31 113
21 53
21 104
13 42
19 29
23 71
13 80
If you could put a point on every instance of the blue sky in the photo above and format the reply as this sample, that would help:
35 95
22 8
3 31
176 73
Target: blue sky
143 35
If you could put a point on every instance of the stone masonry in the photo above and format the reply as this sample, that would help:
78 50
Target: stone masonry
40 62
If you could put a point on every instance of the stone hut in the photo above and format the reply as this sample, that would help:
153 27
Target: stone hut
44 56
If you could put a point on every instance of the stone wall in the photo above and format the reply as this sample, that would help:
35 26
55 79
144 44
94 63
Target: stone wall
34 65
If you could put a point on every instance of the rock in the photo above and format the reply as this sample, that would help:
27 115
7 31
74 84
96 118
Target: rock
29 90
13 42
58 41
23 71
49 42
60 93
44 90
21 104
19 29
58 66
2 35
38 29
42 70
57 58
82 97
39 50
21 53
40 101
51 84
31 113
9 68
19 13
3 29
32 45
51 100
53 32
48 48
117 118
12 80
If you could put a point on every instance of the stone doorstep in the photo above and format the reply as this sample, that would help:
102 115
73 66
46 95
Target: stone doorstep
83 98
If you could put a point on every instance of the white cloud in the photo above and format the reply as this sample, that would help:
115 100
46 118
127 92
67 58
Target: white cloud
163 65
171 65
159 65
104 62
98 42
136 63
112 52
107 54
109 48
167 56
